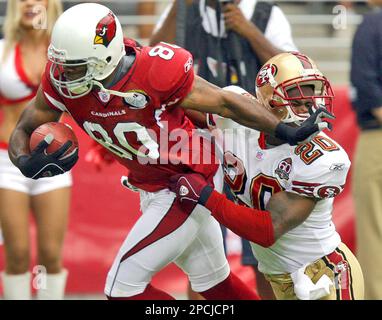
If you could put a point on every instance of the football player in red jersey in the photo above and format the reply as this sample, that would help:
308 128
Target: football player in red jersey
124 96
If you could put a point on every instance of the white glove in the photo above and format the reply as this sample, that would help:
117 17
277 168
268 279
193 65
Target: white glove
305 289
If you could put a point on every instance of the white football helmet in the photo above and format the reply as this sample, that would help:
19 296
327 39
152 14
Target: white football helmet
90 36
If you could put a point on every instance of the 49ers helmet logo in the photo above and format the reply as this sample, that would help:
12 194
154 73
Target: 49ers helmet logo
105 30
266 75
328 192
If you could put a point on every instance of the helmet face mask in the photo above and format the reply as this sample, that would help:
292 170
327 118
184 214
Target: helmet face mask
320 94
291 87
86 47
73 78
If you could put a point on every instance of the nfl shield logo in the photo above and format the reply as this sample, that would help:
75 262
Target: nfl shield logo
104 96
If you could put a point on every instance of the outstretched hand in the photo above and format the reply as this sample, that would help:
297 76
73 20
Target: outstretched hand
308 130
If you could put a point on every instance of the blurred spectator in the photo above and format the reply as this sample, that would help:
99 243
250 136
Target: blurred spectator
145 8
366 79
23 54
230 41
256 31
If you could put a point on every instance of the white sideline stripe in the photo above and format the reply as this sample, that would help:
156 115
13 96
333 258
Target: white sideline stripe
56 103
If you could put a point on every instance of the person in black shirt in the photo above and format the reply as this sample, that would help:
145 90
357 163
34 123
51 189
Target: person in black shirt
366 80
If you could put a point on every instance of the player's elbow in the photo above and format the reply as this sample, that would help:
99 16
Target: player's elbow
280 227
271 234
266 236
222 105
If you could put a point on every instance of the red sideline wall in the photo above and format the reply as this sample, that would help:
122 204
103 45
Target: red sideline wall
102 212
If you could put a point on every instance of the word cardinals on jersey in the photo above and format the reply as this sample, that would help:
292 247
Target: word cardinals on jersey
146 131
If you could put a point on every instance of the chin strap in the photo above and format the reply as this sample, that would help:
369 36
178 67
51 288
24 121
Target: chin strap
123 68
113 92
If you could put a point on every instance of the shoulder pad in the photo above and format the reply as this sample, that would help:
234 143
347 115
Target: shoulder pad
169 67
324 177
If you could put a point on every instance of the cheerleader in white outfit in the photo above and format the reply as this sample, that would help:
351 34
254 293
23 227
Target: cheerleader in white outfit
23 50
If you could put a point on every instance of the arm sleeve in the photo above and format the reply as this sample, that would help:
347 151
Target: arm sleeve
279 32
366 64
251 224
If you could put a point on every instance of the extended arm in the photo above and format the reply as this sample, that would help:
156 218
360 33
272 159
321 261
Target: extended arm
208 98
285 211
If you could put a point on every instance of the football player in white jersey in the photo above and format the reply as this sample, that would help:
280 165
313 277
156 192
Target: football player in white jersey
285 193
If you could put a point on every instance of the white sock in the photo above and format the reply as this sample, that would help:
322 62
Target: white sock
55 286
17 286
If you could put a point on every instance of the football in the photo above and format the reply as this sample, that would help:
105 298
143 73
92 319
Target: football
61 133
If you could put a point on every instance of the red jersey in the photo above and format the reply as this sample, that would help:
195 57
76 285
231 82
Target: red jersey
146 131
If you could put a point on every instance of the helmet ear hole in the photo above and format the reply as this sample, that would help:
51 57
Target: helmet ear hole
272 104
108 59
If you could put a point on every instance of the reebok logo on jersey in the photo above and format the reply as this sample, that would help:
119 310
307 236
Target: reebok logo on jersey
183 191
188 65
337 167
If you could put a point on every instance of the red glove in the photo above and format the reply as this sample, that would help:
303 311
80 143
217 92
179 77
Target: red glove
191 188
99 156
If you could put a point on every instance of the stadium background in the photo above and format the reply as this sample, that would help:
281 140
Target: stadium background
102 211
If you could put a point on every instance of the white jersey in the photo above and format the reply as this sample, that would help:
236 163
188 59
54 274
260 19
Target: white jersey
317 169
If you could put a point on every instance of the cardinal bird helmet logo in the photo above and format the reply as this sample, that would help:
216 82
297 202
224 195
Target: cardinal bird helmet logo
105 30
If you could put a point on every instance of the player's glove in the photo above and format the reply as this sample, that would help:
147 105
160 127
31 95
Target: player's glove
40 165
99 156
308 129
191 188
